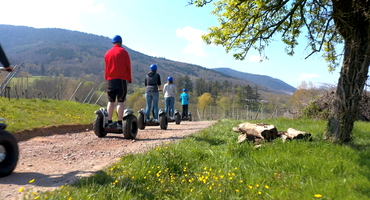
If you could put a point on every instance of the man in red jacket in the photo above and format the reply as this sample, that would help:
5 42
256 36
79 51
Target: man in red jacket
117 73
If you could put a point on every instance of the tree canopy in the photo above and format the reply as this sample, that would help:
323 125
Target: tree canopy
254 24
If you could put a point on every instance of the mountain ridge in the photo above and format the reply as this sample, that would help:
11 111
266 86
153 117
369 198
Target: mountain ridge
77 54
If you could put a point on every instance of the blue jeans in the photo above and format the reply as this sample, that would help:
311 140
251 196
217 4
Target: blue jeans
170 102
151 96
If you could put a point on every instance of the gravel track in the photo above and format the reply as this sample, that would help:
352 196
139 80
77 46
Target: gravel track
61 159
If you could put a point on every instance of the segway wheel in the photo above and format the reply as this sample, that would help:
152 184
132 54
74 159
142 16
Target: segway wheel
98 126
9 153
130 127
163 122
140 121
177 118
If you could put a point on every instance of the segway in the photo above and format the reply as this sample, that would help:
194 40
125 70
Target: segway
9 152
162 122
177 118
129 124
187 118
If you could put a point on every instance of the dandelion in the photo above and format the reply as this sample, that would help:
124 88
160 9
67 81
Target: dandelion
166 147
70 198
31 181
186 163
259 192
62 186
275 174
210 188
236 168
231 178
191 190
250 187
219 185
318 195
205 168
147 188
144 177
233 174
267 187
119 158
133 177
220 190
20 189
241 181
236 190
37 197
222 176
257 185
166 190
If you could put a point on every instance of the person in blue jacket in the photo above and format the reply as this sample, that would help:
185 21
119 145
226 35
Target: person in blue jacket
185 103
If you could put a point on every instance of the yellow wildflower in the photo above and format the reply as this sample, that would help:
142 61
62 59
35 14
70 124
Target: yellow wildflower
21 189
267 187
318 195
250 187
31 181
236 190
259 192
37 197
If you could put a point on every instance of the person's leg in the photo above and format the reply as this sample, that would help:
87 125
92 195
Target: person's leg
149 98
167 105
121 95
120 109
172 105
186 111
155 104
110 109
183 111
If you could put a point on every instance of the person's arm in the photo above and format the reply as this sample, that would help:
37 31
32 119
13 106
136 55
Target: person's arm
4 61
159 83
129 69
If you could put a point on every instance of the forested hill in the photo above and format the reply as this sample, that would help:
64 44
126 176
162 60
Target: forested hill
268 81
53 51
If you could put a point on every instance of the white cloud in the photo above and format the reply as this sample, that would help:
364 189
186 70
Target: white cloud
193 36
254 58
305 76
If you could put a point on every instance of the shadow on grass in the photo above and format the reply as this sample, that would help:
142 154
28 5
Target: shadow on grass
363 150
102 179
211 141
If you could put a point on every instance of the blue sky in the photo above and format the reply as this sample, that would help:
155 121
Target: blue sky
164 28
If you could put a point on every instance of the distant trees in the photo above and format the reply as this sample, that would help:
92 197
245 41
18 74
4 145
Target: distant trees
204 101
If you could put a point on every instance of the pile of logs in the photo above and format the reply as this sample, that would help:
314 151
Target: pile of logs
264 132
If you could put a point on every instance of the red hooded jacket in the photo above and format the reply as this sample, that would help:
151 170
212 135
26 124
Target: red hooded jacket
117 64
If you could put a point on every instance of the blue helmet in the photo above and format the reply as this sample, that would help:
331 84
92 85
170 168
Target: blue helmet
153 67
117 38
170 79
184 90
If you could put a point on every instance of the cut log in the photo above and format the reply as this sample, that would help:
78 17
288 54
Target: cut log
259 131
295 134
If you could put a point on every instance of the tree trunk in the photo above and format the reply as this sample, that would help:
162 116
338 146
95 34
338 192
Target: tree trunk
352 22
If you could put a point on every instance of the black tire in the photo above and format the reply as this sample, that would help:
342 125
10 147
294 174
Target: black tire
98 126
130 127
140 121
9 158
177 118
163 122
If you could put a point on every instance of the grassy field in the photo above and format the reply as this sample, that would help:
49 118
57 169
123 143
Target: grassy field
211 165
33 113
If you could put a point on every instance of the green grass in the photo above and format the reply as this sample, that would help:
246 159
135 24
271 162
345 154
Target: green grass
211 165
33 113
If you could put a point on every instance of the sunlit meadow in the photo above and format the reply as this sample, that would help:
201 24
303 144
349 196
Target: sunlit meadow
212 165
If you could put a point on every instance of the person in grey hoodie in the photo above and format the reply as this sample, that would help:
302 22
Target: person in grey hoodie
169 91
153 86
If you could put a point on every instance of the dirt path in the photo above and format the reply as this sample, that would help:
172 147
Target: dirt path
60 159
